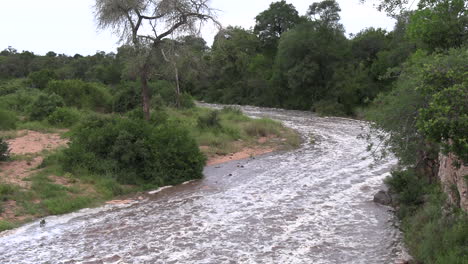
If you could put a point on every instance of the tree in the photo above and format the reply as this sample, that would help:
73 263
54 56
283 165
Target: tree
305 64
273 22
233 50
439 24
443 81
145 23
368 43
327 12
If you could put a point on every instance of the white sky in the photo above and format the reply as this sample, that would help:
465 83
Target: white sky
68 26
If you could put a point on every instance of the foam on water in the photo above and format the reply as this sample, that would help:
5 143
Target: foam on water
311 205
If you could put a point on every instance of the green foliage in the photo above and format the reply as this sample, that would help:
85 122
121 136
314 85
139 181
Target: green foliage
262 128
64 117
397 111
6 191
434 233
134 151
327 12
20 100
186 101
329 108
440 24
305 64
7 120
127 97
4 225
66 204
444 81
211 120
273 22
44 105
408 186
80 94
11 86
41 78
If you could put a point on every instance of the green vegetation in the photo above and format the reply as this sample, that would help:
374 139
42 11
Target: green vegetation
111 154
4 153
411 83
423 113
134 151
434 231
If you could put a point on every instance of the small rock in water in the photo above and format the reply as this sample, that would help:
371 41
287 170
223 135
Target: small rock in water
382 197
42 223
230 174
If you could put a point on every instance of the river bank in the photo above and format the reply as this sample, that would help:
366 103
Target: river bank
309 205
33 184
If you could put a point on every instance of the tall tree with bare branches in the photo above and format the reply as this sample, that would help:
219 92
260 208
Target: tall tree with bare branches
143 24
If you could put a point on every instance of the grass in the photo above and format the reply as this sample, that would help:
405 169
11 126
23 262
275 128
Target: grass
434 232
5 225
230 132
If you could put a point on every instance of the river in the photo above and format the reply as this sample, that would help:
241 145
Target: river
310 205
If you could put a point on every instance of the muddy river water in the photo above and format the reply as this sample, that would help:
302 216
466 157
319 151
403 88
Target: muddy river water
310 205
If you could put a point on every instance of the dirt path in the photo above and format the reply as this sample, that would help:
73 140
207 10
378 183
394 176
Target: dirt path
27 148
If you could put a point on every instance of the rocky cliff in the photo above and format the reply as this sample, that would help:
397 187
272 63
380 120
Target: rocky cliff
453 175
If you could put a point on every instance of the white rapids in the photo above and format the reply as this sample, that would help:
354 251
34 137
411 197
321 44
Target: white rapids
310 205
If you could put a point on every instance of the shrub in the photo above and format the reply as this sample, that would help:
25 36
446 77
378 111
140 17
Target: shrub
232 109
4 150
186 101
157 102
166 90
44 105
20 100
41 78
409 188
134 151
329 108
435 233
127 97
211 120
64 117
234 113
262 127
81 94
11 86
7 120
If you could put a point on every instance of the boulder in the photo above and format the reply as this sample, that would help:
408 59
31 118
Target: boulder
382 197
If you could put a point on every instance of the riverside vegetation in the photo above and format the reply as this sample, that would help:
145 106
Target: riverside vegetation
111 154
410 82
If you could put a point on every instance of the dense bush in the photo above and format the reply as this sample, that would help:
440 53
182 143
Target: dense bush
134 151
434 231
80 94
211 120
329 108
11 86
44 105
186 101
64 117
7 120
127 97
41 78
408 186
4 150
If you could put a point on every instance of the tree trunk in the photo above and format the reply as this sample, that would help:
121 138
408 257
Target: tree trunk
145 95
177 85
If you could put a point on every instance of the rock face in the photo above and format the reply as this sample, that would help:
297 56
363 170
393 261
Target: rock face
453 176
382 197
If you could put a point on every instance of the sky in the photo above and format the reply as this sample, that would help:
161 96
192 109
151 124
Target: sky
69 27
